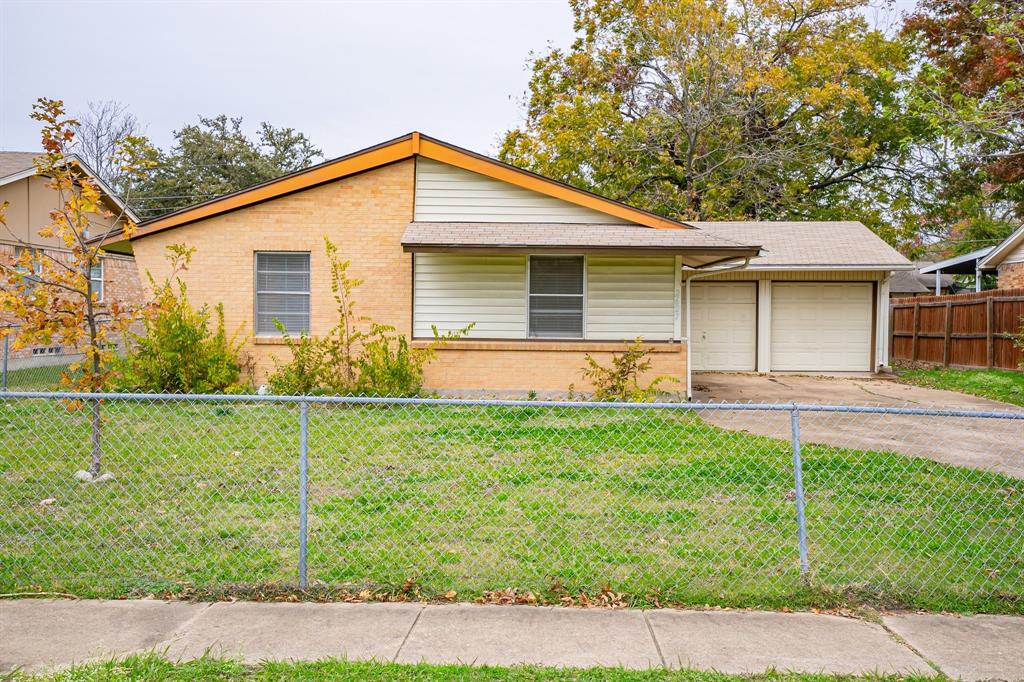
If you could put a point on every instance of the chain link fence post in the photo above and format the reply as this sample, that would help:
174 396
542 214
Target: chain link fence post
303 485
7 353
798 491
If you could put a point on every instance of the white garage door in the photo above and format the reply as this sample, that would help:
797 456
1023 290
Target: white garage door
821 327
724 325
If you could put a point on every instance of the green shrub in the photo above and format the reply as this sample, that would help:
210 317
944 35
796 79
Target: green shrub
621 381
349 360
178 352
389 366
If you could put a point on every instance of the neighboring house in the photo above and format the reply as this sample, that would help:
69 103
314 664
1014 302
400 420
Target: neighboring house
548 273
30 202
913 283
1007 259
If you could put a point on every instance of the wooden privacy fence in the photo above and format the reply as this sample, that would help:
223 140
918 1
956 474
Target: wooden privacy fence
969 330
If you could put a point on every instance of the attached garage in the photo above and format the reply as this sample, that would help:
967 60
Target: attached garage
724 326
822 327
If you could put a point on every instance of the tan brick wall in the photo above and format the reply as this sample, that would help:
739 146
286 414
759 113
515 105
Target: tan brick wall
365 216
530 369
1011 275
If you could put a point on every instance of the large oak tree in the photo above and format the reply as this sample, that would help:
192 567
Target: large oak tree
709 109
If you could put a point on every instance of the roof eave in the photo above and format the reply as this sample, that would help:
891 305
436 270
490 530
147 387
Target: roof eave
399 149
995 257
832 266
728 251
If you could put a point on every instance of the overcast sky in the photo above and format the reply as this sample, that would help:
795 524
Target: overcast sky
347 74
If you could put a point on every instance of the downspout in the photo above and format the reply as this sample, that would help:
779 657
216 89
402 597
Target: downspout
699 275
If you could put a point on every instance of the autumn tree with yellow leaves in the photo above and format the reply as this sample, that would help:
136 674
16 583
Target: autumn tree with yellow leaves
49 292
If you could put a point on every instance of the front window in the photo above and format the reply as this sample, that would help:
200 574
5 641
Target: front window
282 292
556 296
96 279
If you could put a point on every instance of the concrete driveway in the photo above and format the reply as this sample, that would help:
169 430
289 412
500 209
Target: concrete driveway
991 444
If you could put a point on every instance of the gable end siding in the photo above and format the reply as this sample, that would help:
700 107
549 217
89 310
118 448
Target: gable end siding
445 193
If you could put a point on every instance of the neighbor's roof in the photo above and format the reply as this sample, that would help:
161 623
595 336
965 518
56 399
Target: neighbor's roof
16 166
847 245
698 247
913 282
959 265
401 148
1003 249
16 163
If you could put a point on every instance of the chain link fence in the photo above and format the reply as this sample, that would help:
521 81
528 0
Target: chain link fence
33 368
728 504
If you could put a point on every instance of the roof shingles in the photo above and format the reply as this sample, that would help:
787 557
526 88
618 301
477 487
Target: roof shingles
16 162
827 244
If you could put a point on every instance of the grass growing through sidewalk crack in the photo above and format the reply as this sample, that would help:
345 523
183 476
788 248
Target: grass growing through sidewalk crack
420 501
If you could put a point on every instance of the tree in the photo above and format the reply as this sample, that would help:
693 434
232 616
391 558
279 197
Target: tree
215 157
709 109
50 294
98 133
970 89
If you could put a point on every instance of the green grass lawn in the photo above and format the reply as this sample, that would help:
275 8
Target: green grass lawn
42 378
996 384
151 667
658 506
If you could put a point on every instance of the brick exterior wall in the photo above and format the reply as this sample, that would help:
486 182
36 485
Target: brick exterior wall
1011 275
365 215
121 282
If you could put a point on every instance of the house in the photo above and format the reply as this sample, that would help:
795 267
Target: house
1007 259
444 237
30 202
914 283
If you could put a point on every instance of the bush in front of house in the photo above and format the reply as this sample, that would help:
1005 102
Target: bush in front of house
358 355
621 381
182 349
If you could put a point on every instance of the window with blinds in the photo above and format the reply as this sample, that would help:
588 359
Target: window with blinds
96 279
282 292
556 296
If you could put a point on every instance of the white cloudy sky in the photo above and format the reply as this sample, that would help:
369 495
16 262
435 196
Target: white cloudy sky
348 74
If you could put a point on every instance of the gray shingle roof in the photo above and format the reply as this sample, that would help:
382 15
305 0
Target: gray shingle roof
15 162
825 244
565 235
916 282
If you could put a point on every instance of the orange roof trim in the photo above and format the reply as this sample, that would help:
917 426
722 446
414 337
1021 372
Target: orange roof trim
399 149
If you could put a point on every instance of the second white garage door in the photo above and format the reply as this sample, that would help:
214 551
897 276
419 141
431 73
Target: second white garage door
821 327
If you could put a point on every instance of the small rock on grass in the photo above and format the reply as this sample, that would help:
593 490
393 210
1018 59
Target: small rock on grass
86 477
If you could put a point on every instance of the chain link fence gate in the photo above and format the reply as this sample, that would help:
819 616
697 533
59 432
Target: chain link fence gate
730 504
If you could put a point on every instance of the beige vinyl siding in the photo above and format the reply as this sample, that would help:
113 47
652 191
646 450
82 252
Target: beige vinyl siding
625 297
630 297
1015 256
452 291
445 193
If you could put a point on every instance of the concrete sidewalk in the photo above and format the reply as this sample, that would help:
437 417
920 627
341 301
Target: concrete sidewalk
37 634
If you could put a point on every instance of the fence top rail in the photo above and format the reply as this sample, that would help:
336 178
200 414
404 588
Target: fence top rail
465 402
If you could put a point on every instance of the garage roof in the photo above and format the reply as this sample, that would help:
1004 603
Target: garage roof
698 247
840 245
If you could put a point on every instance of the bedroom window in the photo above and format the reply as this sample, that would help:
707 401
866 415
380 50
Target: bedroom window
556 297
282 292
